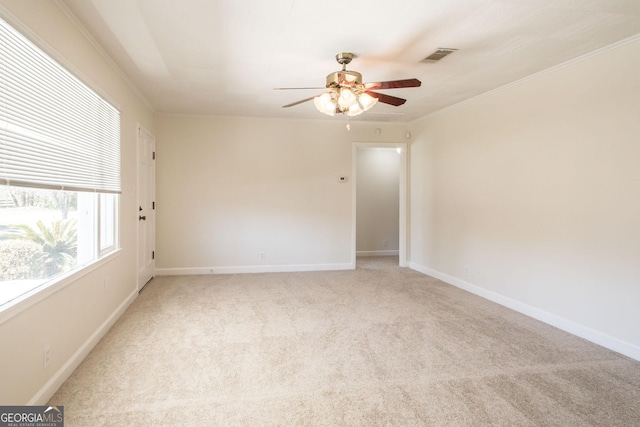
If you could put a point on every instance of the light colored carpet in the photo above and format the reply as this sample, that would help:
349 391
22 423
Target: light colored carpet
380 345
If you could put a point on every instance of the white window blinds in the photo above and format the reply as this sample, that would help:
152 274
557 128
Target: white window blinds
55 132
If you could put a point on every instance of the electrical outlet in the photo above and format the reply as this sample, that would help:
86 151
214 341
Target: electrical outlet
46 355
263 256
385 243
466 272
105 285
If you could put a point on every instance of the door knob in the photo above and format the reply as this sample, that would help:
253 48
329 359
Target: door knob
142 218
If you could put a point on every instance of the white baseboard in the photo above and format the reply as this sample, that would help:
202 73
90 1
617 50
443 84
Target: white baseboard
48 390
241 269
597 337
378 253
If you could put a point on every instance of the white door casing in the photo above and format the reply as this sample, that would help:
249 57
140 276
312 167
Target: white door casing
146 206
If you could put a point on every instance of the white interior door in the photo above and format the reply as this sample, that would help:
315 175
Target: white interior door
146 206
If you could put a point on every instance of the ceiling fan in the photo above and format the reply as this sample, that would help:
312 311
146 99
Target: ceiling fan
348 95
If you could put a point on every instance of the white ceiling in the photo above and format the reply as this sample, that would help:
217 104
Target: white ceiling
224 57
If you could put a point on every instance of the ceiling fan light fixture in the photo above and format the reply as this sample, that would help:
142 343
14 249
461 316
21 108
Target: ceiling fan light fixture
367 101
346 98
355 110
325 104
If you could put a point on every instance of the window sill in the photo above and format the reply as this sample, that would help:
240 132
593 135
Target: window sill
21 303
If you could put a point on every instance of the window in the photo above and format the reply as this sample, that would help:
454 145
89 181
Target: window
59 170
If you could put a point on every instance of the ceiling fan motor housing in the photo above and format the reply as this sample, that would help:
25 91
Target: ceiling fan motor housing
350 79
344 78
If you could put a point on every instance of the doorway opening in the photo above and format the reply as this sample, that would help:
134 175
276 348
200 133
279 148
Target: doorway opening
379 203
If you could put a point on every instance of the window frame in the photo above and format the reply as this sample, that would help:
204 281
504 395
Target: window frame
112 223
102 255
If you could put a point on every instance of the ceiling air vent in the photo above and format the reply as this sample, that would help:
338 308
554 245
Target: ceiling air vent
438 54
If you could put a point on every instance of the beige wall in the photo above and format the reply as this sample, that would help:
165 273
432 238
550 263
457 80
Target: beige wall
377 200
229 189
73 318
531 196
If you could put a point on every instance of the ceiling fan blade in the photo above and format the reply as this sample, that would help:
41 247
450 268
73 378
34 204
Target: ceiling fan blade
299 102
298 88
393 84
387 99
